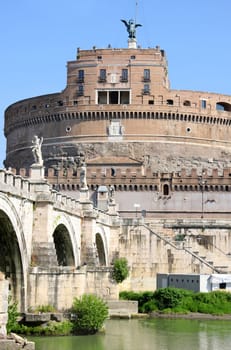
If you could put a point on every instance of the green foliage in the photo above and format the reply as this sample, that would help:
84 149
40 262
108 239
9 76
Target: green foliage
120 270
12 315
181 301
51 328
89 313
44 309
169 297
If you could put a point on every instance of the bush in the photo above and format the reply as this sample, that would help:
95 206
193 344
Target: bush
120 270
167 298
181 301
89 314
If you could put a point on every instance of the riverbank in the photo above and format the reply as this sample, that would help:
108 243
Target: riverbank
191 315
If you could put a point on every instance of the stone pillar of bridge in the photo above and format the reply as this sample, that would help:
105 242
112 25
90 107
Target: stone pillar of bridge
88 250
43 251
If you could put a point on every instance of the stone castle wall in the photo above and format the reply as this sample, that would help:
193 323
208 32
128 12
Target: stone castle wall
167 125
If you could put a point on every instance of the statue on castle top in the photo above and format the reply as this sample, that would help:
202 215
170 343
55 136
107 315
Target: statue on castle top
131 28
36 150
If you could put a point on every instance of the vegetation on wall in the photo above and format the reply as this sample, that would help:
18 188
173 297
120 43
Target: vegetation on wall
120 270
12 315
181 301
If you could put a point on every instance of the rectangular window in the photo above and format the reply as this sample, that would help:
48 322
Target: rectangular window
80 90
124 97
102 75
146 90
203 104
146 74
113 97
102 97
81 76
124 76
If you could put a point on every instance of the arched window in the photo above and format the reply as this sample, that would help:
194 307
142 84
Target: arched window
223 106
187 103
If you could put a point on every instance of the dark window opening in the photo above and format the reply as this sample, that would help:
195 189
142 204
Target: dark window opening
81 76
113 172
146 75
170 102
102 97
151 102
223 106
124 97
102 75
133 57
166 190
80 90
187 103
124 76
113 97
222 285
203 104
146 90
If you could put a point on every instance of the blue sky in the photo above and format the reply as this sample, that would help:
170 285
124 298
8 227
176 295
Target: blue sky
38 37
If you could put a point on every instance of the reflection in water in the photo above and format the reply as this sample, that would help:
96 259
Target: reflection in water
156 334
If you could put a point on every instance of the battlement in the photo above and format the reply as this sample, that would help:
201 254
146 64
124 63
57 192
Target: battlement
139 179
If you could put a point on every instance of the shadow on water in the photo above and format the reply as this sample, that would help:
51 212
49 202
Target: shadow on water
156 334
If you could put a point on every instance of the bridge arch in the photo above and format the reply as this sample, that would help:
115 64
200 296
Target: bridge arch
13 251
66 239
101 245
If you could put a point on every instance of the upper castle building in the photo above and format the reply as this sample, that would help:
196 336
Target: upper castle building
119 111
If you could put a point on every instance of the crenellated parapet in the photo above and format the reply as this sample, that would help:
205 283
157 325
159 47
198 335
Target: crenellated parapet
134 179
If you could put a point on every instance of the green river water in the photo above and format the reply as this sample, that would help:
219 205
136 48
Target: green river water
156 334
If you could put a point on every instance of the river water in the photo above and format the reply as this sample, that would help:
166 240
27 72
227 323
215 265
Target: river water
155 334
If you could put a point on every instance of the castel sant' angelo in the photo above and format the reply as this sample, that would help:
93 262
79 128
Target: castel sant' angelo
124 167
119 115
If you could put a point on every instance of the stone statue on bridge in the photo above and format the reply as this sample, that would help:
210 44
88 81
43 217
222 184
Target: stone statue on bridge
83 176
36 150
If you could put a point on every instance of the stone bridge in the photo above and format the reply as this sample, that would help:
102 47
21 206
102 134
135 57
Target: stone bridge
53 247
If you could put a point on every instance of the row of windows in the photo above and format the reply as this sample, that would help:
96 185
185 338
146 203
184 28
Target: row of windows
123 77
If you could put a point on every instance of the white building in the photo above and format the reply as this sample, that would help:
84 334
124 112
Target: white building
195 282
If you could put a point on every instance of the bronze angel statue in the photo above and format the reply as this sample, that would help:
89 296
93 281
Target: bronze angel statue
131 27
